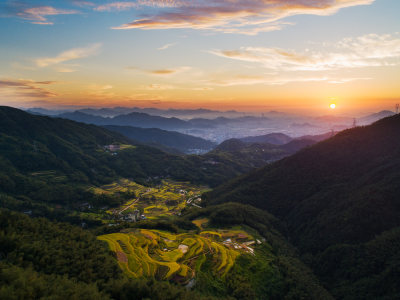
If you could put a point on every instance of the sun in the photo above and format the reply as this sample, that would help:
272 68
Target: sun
332 105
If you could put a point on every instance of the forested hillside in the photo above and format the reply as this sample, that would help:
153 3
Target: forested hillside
340 191
41 156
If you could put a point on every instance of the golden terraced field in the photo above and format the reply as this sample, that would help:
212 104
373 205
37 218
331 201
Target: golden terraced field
163 255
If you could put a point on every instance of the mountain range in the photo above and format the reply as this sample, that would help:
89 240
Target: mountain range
323 210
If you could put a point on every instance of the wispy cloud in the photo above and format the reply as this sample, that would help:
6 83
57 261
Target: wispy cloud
235 16
83 3
276 80
68 55
126 5
40 14
159 87
23 88
166 46
365 51
162 72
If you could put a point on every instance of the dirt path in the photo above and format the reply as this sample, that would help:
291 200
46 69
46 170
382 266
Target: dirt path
134 202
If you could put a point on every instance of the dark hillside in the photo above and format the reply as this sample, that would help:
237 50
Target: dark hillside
341 190
339 202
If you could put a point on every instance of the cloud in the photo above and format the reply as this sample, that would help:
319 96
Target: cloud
276 80
166 46
365 51
126 5
23 88
162 72
159 87
236 16
167 72
39 14
71 54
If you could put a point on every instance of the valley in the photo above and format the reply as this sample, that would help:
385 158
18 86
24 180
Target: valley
266 215
199 150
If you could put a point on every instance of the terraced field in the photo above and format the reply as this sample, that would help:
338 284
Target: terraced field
163 255
166 199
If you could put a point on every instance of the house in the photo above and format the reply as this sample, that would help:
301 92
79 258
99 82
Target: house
113 147
132 217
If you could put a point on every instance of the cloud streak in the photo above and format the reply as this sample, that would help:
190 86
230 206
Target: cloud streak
366 51
23 88
236 16
277 80
162 72
39 14
165 47
126 5
68 55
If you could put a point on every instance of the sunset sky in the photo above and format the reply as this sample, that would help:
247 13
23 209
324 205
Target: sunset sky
246 55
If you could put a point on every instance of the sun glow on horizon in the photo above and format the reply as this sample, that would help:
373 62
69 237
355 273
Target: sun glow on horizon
220 55
332 106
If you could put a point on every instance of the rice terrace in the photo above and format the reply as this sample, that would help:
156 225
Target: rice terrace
177 257
165 199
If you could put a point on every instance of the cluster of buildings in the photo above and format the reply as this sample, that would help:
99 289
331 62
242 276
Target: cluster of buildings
244 246
134 216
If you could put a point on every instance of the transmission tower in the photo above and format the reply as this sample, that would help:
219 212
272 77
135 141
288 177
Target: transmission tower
397 108
354 122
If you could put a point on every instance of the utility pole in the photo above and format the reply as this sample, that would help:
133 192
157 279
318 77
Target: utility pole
397 108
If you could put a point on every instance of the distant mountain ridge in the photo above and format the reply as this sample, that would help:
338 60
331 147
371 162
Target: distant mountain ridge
182 142
132 119
281 138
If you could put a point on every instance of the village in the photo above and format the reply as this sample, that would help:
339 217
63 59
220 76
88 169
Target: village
150 202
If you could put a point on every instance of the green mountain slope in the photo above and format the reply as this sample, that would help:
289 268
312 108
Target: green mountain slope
343 191
344 186
53 160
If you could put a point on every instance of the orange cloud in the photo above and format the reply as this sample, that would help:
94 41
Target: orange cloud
163 72
23 88
237 16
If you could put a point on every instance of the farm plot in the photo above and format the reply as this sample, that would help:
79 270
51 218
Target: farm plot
167 256
165 199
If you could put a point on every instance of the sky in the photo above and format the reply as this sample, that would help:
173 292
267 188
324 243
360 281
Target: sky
246 55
